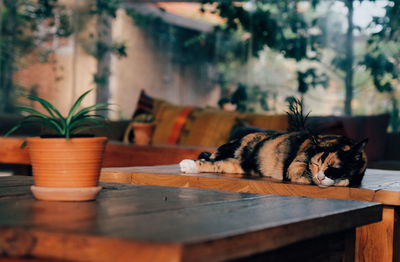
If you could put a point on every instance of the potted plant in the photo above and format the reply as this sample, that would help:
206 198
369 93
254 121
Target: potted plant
143 127
65 164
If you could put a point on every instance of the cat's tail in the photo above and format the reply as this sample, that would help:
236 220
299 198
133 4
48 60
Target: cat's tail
296 117
204 156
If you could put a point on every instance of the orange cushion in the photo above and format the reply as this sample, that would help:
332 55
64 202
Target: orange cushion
170 120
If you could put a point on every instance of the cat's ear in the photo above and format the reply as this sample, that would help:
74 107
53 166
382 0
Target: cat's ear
357 149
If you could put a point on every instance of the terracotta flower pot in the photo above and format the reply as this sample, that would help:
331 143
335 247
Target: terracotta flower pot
72 164
143 132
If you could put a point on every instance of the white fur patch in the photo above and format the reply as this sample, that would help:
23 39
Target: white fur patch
327 182
188 166
344 182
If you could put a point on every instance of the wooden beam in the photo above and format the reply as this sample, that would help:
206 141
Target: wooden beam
169 18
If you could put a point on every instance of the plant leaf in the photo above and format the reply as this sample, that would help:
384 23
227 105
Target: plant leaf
86 122
46 121
83 128
86 110
75 106
46 105
35 119
31 111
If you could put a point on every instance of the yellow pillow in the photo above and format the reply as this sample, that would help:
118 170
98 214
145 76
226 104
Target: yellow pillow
267 121
170 120
208 127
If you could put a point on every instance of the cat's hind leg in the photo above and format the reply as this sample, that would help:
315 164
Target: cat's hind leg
229 165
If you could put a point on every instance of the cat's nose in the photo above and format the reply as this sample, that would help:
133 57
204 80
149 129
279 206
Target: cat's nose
320 176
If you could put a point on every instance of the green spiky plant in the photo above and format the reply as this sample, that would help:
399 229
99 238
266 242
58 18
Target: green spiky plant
144 118
75 122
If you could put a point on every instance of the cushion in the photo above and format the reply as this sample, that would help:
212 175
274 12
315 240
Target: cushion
170 120
266 121
145 104
208 127
188 125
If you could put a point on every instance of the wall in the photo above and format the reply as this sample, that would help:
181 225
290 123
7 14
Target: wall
150 68
146 67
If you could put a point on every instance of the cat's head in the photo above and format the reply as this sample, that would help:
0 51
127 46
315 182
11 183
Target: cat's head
344 166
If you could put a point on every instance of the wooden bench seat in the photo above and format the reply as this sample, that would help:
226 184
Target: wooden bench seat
116 154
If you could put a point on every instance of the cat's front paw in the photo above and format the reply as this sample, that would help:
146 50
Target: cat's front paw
188 166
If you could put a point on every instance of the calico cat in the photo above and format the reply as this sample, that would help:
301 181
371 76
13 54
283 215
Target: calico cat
298 157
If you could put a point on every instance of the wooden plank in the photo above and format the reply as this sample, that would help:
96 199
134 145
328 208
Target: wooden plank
11 181
119 155
378 185
14 191
115 155
336 247
27 260
170 224
56 242
73 247
376 237
396 234
11 151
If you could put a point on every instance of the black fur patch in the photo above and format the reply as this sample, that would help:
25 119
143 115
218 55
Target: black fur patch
204 156
227 150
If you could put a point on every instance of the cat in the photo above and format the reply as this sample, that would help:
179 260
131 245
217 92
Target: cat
298 157
295 156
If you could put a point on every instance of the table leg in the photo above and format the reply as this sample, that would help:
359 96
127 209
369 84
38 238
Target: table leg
379 241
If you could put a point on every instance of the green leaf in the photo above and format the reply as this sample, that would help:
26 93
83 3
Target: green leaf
76 120
47 122
75 106
12 130
86 122
86 110
46 105
31 111
83 128
35 119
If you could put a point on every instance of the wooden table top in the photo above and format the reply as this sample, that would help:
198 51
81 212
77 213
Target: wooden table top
378 185
153 223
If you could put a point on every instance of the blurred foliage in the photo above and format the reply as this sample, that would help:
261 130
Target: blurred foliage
383 56
27 26
284 27
185 46
144 118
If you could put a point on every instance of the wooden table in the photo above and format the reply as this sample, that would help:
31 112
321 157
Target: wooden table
376 242
153 223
